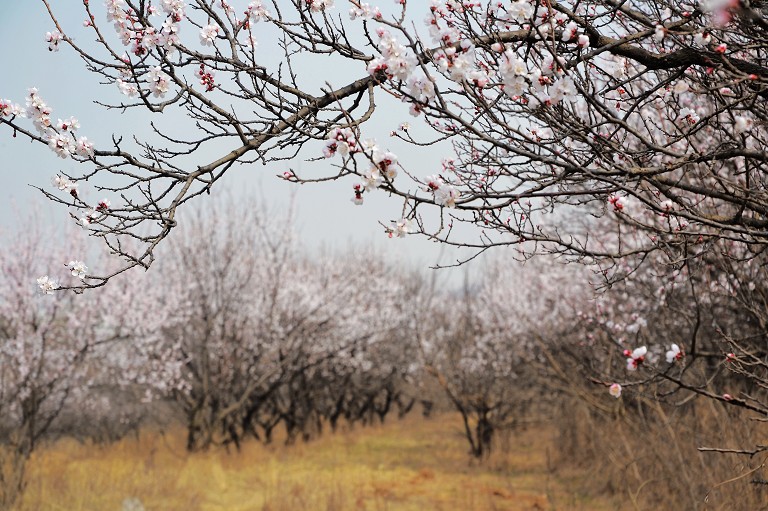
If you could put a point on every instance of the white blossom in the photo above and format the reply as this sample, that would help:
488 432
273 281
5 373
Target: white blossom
78 269
47 285
208 34
674 353
401 228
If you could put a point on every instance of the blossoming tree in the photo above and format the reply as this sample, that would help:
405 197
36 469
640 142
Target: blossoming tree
257 335
549 112
621 134
49 345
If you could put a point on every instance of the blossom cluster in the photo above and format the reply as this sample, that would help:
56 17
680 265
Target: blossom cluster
53 39
48 285
445 194
382 164
159 82
92 214
344 142
635 357
60 135
395 61
65 184
319 5
400 228
256 11
143 39
456 57
365 11
10 109
341 141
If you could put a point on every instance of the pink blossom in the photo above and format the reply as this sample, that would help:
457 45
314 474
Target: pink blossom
62 145
53 39
84 148
159 82
635 358
618 202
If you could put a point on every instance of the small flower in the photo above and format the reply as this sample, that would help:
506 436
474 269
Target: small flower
78 269
91 215
667 206
208 34
159 82
47 285
727 397
84 148
358 198
103 205
674 354
256 11
63 183
635 357
689 115
319 5
702 39
615 390
433 183
400 228
70 124
387 163
617 202
53 39
341 141
62 145
127 88
743 124
446 195
372 179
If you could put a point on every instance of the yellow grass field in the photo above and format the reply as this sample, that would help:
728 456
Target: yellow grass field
413 464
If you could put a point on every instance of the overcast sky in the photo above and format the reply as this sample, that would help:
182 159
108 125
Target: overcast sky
326 216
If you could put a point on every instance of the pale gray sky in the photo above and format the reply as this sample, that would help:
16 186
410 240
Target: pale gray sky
325 214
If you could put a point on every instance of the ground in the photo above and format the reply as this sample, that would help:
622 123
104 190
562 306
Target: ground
413 464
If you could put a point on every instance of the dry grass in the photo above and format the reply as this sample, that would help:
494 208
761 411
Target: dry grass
649 459
413 464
